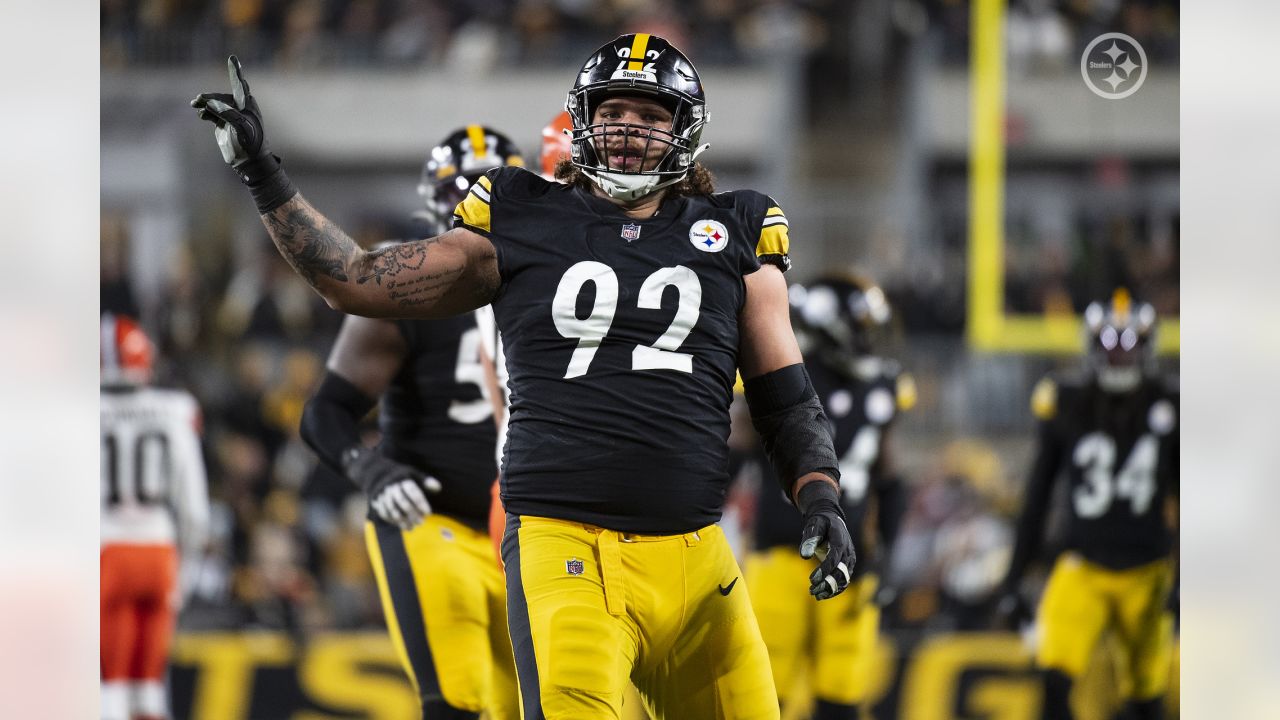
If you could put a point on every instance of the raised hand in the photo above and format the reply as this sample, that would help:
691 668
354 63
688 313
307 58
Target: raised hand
237 126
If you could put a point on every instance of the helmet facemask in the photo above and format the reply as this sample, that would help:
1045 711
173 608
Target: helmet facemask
1120 341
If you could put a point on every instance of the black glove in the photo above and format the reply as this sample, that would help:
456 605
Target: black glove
826 536
395 490
238 129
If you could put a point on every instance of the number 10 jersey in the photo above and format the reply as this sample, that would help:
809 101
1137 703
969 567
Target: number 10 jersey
621 343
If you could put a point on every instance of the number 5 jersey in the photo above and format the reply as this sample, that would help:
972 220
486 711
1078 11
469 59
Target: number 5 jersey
621 340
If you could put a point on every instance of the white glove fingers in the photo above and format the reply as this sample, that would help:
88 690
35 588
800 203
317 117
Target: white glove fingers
408 509
417 498
433 485
395 499
388 509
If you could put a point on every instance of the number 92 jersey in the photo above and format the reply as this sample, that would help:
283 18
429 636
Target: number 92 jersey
1120 451
621 342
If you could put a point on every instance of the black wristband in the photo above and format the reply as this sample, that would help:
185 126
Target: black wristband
272 191
819 494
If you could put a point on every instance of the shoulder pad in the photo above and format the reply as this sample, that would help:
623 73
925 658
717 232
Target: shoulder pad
519 182
1044 399
905 391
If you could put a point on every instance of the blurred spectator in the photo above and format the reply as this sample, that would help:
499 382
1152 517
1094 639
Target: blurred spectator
955 540
114 287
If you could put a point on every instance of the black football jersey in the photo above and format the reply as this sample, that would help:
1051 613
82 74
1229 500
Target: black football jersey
860 412
1120 455
621 339
436 416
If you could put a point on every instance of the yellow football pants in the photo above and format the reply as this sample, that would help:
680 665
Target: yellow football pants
589 608
834 640
444 598
1082 600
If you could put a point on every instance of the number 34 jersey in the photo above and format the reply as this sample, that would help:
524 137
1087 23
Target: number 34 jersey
621 342
152 470
1120 452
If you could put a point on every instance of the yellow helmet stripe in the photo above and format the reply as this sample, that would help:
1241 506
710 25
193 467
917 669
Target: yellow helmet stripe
638 48
1121 302
475 134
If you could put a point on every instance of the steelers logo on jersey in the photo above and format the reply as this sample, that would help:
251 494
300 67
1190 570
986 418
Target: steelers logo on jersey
709 236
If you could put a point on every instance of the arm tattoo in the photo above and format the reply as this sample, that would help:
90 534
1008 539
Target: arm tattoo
396 259
387 264
314 246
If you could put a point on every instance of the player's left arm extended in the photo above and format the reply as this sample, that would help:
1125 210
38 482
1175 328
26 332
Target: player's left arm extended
793 427
437 277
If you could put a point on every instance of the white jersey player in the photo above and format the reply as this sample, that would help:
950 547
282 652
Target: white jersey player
154 500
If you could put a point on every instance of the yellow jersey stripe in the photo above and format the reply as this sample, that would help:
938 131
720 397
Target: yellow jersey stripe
474 209
638 48
475 134
485 183
773 240
775 210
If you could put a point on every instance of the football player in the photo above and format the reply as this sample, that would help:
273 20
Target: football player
1112 429
626 297
442 592
836 320
155 507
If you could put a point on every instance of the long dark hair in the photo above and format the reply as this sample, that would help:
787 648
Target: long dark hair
698 181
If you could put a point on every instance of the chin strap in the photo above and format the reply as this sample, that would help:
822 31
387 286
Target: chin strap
628 186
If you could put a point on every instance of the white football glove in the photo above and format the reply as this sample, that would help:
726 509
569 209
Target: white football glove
404 503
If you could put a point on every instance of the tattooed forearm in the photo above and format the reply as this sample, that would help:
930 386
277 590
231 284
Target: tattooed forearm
315 247
435 277
390 262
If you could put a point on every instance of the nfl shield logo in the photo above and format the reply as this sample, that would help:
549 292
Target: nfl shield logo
630 232
573 567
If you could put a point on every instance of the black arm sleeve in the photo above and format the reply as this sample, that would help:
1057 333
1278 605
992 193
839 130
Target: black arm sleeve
793 427
331 418
1035 506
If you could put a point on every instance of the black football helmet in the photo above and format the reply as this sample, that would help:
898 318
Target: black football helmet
1120 341
458 162
647 66
840 317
